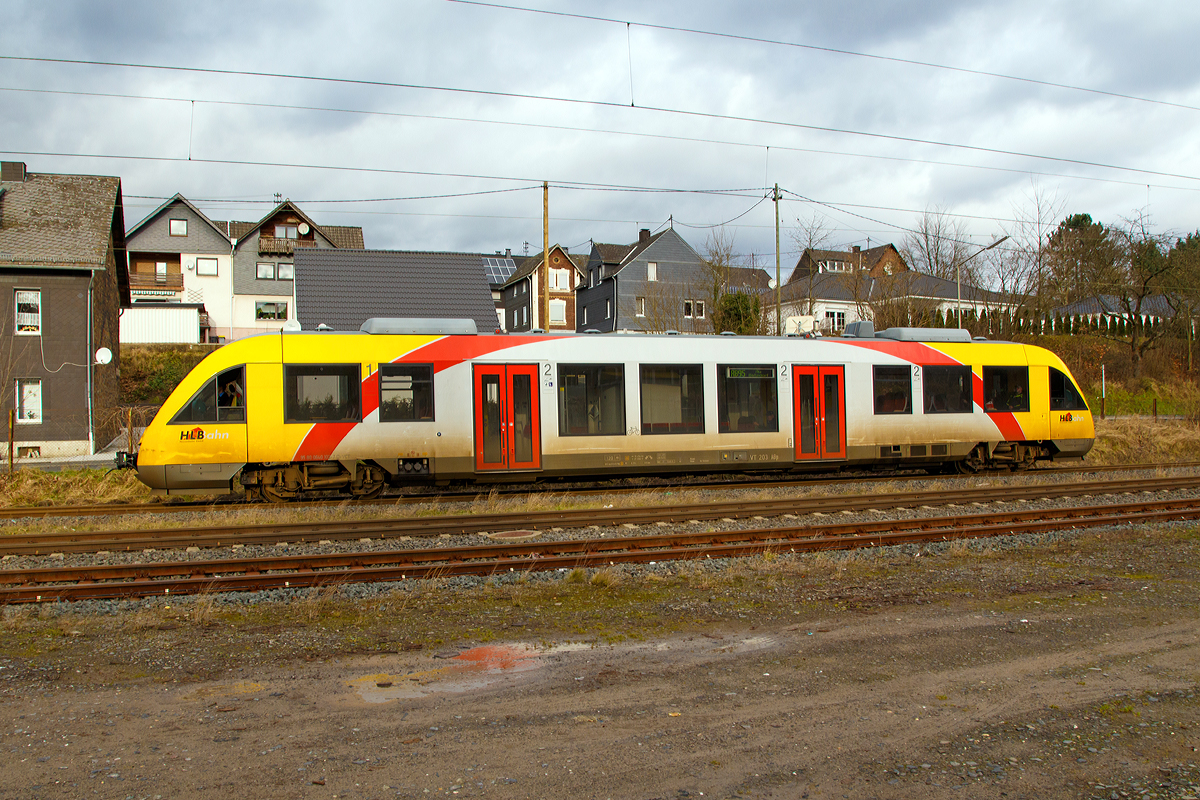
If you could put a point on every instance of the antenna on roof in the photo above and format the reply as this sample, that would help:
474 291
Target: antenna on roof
278 198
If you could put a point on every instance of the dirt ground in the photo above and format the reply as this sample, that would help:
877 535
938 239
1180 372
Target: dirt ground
1067 668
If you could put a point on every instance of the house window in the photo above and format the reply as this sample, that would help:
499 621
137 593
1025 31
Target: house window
608 309
322 393
558 312
286 232
178 227
29 311
687 309
651 270
266 271
559 280
270 311
160 272
836 320
206 266
29 401
640 306
672 399
698 306
591 278
285 272
591 400
585 315
746 398
405 392
893 390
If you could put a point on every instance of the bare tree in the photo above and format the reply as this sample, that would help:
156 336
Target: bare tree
1020 271
939 247
810 234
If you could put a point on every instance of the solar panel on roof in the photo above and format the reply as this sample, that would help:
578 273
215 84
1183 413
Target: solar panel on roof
498 269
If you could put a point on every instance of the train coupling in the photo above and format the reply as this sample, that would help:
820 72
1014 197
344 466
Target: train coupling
125 460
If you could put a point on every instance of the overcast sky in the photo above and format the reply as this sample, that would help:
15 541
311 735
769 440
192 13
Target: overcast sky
441 106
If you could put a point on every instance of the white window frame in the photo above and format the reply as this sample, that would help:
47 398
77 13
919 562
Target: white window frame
698 308
651 271
639 306
177 227
203 266
33 327
608 309
287 228
29 404
687 309
290 269
558 312
585 315
160 272
276 304
258 271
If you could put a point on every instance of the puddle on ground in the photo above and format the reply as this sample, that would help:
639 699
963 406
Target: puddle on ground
476 668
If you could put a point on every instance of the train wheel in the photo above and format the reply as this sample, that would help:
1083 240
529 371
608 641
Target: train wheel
272 494
372 485
972 464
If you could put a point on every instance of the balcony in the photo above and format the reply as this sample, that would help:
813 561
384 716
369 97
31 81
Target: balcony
143 280
275 246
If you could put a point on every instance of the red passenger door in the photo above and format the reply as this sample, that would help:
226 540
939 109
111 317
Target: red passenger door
820 412
507 422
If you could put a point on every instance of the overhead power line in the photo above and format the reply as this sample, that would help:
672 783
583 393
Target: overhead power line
606 104
604 131
835 51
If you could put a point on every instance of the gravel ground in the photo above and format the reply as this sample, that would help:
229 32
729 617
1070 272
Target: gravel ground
1028 666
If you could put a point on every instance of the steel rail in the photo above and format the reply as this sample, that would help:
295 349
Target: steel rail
458 524
483 491
187 577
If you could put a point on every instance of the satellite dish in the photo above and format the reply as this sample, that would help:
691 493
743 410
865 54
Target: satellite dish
103 356
770 283
291 326
303 228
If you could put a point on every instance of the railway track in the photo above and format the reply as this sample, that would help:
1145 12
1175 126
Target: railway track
293 572
808 479
458 524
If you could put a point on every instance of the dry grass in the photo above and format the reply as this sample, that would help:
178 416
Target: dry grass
1139 440
33 487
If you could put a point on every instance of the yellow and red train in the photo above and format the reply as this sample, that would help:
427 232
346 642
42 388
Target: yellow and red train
284 415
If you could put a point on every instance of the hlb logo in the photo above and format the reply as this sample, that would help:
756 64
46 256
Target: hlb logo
1066 418
198 435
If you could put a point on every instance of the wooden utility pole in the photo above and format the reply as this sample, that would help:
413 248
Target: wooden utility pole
778 284
545 256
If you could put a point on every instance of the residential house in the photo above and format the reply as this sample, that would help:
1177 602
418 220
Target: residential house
658 283
64 274
342 288
222 279
837 287
523 298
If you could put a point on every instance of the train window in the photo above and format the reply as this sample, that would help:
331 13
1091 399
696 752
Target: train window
893 390
220 399
321 393
1006 389
746 398
1064 394
948 390
672 399
405 392
591 400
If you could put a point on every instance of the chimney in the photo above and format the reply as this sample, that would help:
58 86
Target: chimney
12 171
643 235
857 249
508 252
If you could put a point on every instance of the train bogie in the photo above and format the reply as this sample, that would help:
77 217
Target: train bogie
284 415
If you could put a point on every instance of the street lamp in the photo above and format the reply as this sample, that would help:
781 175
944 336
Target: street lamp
958 273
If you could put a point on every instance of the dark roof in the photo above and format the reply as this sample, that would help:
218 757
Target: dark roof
1155 305
344 288
613 253
862 259
178 198
844 286
64 222
751 278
